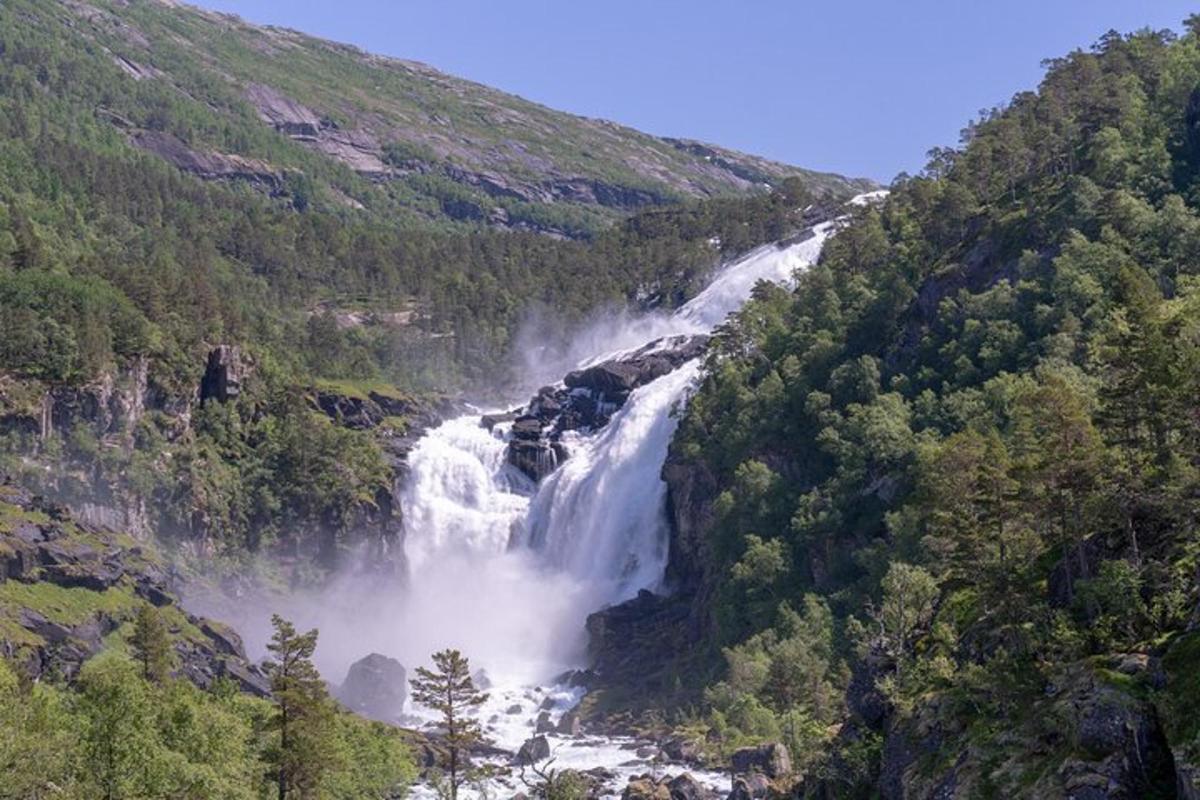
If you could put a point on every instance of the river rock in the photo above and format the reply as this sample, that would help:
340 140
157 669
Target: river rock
750 787
586 401
533 750
685 787
570 724
375 687
772 760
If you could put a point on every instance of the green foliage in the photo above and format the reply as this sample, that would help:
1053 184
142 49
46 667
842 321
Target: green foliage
972 430
117 735
305 718
449 690
151 644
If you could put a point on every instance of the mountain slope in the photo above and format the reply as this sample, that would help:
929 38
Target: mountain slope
936 510
427 142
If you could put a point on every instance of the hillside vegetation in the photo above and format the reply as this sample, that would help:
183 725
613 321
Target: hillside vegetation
939 505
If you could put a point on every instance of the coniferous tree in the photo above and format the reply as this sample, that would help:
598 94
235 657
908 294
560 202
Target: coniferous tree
450 690
304 714
152 644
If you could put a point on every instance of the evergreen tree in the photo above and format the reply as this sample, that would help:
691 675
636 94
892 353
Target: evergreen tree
152 644
304 714
450 690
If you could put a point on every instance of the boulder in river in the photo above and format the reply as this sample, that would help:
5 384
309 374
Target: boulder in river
533 750
375 687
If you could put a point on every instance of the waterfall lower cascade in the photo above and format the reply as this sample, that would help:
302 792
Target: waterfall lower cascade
507 570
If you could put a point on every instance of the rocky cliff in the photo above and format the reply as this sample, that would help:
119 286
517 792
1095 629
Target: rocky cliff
69 588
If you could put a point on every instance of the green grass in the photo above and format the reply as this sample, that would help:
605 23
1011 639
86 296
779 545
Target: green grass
66 606
361 389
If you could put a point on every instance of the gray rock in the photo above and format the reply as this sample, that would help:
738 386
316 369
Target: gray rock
375 687
772 760
223 374
750 787
533 750
685 787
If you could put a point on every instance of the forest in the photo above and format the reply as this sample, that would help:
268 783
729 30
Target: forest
958 468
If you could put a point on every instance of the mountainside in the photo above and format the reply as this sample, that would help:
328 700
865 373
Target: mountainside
208 280
935 511
265 105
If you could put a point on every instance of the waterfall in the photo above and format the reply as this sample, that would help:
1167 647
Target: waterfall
508 571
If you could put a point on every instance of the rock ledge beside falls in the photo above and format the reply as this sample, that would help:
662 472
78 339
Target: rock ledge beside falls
586 401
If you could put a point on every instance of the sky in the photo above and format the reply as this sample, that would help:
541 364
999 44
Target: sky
860 87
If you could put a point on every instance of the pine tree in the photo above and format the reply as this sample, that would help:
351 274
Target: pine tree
152 644
451 692
304 714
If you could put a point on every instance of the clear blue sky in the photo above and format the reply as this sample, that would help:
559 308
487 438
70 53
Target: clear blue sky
862 87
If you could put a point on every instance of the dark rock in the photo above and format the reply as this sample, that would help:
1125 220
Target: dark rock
246 677
570 724
490 421
587 401
772 760
863 696
533 750
358 413
750 787
375 687
223 637
223 375
681 750
685 787
543 724
515 708
630 643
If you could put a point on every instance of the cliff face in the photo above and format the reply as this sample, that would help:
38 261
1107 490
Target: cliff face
69 588
96 449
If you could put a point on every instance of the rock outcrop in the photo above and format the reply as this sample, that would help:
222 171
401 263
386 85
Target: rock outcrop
223 374
586 401
208 165
772 760
375 687
68 585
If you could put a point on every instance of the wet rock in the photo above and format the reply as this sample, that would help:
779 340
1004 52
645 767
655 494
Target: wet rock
515 708
772 760
543 724
685 787
750 787
375 687
646 788
533 750
570 724
681 750
587 401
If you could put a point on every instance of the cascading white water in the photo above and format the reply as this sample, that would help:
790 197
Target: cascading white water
508 572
